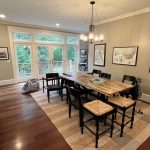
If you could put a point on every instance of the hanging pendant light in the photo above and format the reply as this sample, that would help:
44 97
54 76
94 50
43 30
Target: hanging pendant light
91 37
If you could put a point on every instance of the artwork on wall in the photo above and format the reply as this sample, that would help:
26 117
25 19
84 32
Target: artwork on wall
99 54
125 55
4 53
83 53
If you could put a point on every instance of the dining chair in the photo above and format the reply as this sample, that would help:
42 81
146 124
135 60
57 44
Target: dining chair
105 75
123 104
99 110
53 84
98 72
131 92
75 100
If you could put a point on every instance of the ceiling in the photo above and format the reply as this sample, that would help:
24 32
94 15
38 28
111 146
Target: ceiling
73 15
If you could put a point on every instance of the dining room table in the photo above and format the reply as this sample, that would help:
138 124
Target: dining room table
103 86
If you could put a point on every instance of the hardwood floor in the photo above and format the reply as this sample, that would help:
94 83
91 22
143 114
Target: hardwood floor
24 125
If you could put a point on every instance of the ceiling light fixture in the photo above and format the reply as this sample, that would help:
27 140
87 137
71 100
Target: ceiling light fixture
57 24
91 37
2 16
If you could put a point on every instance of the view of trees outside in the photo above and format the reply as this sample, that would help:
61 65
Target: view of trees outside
71 53
43 59
21 36
24 60
72 40
48 39
57 59
24 53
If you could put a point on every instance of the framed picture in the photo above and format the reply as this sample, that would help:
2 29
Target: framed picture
4 53
83 53
125 55
99 54
84 60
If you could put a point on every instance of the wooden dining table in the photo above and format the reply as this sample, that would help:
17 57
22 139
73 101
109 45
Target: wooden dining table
107 87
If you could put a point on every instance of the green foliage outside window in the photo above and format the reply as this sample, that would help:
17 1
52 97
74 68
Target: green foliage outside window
57 54
23 54
48 39
72 40
43 55
71 53
22 37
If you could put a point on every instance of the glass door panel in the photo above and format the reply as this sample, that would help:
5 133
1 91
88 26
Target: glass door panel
24 61
71 58
57 59
43 59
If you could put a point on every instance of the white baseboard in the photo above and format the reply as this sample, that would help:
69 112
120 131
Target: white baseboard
7 82
145 97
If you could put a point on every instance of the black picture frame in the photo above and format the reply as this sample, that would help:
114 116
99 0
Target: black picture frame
99 54
83 53
4 55
125 55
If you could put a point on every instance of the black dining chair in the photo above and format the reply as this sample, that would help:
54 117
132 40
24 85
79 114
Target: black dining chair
98 72
75 100
133 92
53 84
105 75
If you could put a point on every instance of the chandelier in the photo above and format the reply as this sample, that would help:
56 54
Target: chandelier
91 37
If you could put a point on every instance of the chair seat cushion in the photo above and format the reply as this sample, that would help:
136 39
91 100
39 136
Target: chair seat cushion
98 107
53 87
121 101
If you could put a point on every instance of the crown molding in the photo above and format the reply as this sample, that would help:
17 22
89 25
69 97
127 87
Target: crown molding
142 11
8 23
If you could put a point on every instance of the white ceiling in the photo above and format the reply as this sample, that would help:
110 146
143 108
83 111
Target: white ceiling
72 15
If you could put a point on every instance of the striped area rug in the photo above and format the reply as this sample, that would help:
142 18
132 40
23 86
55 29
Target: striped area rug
57 111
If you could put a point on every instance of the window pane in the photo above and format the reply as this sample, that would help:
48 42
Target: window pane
24 60
48 39
72 40
43 59
71 53
57 59
21 37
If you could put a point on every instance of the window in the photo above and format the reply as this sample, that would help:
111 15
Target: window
72 40
49 39
21 37
24 60
71 53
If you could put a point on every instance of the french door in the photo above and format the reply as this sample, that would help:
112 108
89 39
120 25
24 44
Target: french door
49 59
24 67
34 61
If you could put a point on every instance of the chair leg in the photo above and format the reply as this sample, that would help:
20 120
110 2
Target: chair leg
115 114
105 120
132 118
112 123
122 124
82 122
69 110
43 85
48 95
97 132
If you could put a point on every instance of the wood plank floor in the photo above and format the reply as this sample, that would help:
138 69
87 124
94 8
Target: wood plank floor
24 125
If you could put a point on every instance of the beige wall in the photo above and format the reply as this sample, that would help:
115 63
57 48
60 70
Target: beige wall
132 31
6 71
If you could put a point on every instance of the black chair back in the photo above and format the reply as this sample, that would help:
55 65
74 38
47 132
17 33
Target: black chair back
53 77
134 91
73 93
96 72
106 75
132 79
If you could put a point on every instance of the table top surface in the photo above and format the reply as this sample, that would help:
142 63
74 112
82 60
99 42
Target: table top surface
108 87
